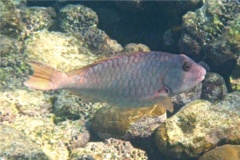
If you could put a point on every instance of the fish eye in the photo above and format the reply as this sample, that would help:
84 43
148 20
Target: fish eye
186 66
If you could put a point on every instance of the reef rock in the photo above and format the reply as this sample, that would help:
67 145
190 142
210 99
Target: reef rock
8 47
18 21
59 50
15 145
160 15
71 107
77 18
133 47
81 19
186 97
225 152
30 114
23 102
127 123
200 126
12 67
212 30
214 87
110 149
37 18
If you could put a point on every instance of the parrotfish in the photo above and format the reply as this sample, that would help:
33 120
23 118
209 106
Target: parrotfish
134 80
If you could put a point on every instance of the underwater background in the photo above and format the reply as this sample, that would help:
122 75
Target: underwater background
68 35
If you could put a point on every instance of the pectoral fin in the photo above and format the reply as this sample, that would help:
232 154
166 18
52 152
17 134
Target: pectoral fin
165 102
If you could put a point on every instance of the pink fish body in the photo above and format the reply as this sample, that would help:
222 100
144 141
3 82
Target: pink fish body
133 80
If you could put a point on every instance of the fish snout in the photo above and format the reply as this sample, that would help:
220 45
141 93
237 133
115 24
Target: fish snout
201 72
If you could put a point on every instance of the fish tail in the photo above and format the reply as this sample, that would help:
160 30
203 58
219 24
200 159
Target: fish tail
45 78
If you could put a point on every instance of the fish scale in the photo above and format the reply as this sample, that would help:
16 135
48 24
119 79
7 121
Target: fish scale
123 82
133 80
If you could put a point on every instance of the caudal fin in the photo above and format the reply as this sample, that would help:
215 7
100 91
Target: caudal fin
45 77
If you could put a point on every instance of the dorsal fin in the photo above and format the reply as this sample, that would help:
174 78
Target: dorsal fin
78 71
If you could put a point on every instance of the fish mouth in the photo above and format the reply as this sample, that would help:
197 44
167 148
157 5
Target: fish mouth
203 73
201 78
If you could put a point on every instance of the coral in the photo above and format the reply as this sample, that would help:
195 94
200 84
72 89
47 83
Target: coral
200 126
11 63
51 139
8 110
59 50
226 46
12 66
127 123
222 153
14 103
110 149
67 106
37 18
78 18
9 15
214 87
30 113
132 47
18 21
212 30
100 42
8 47
75 133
